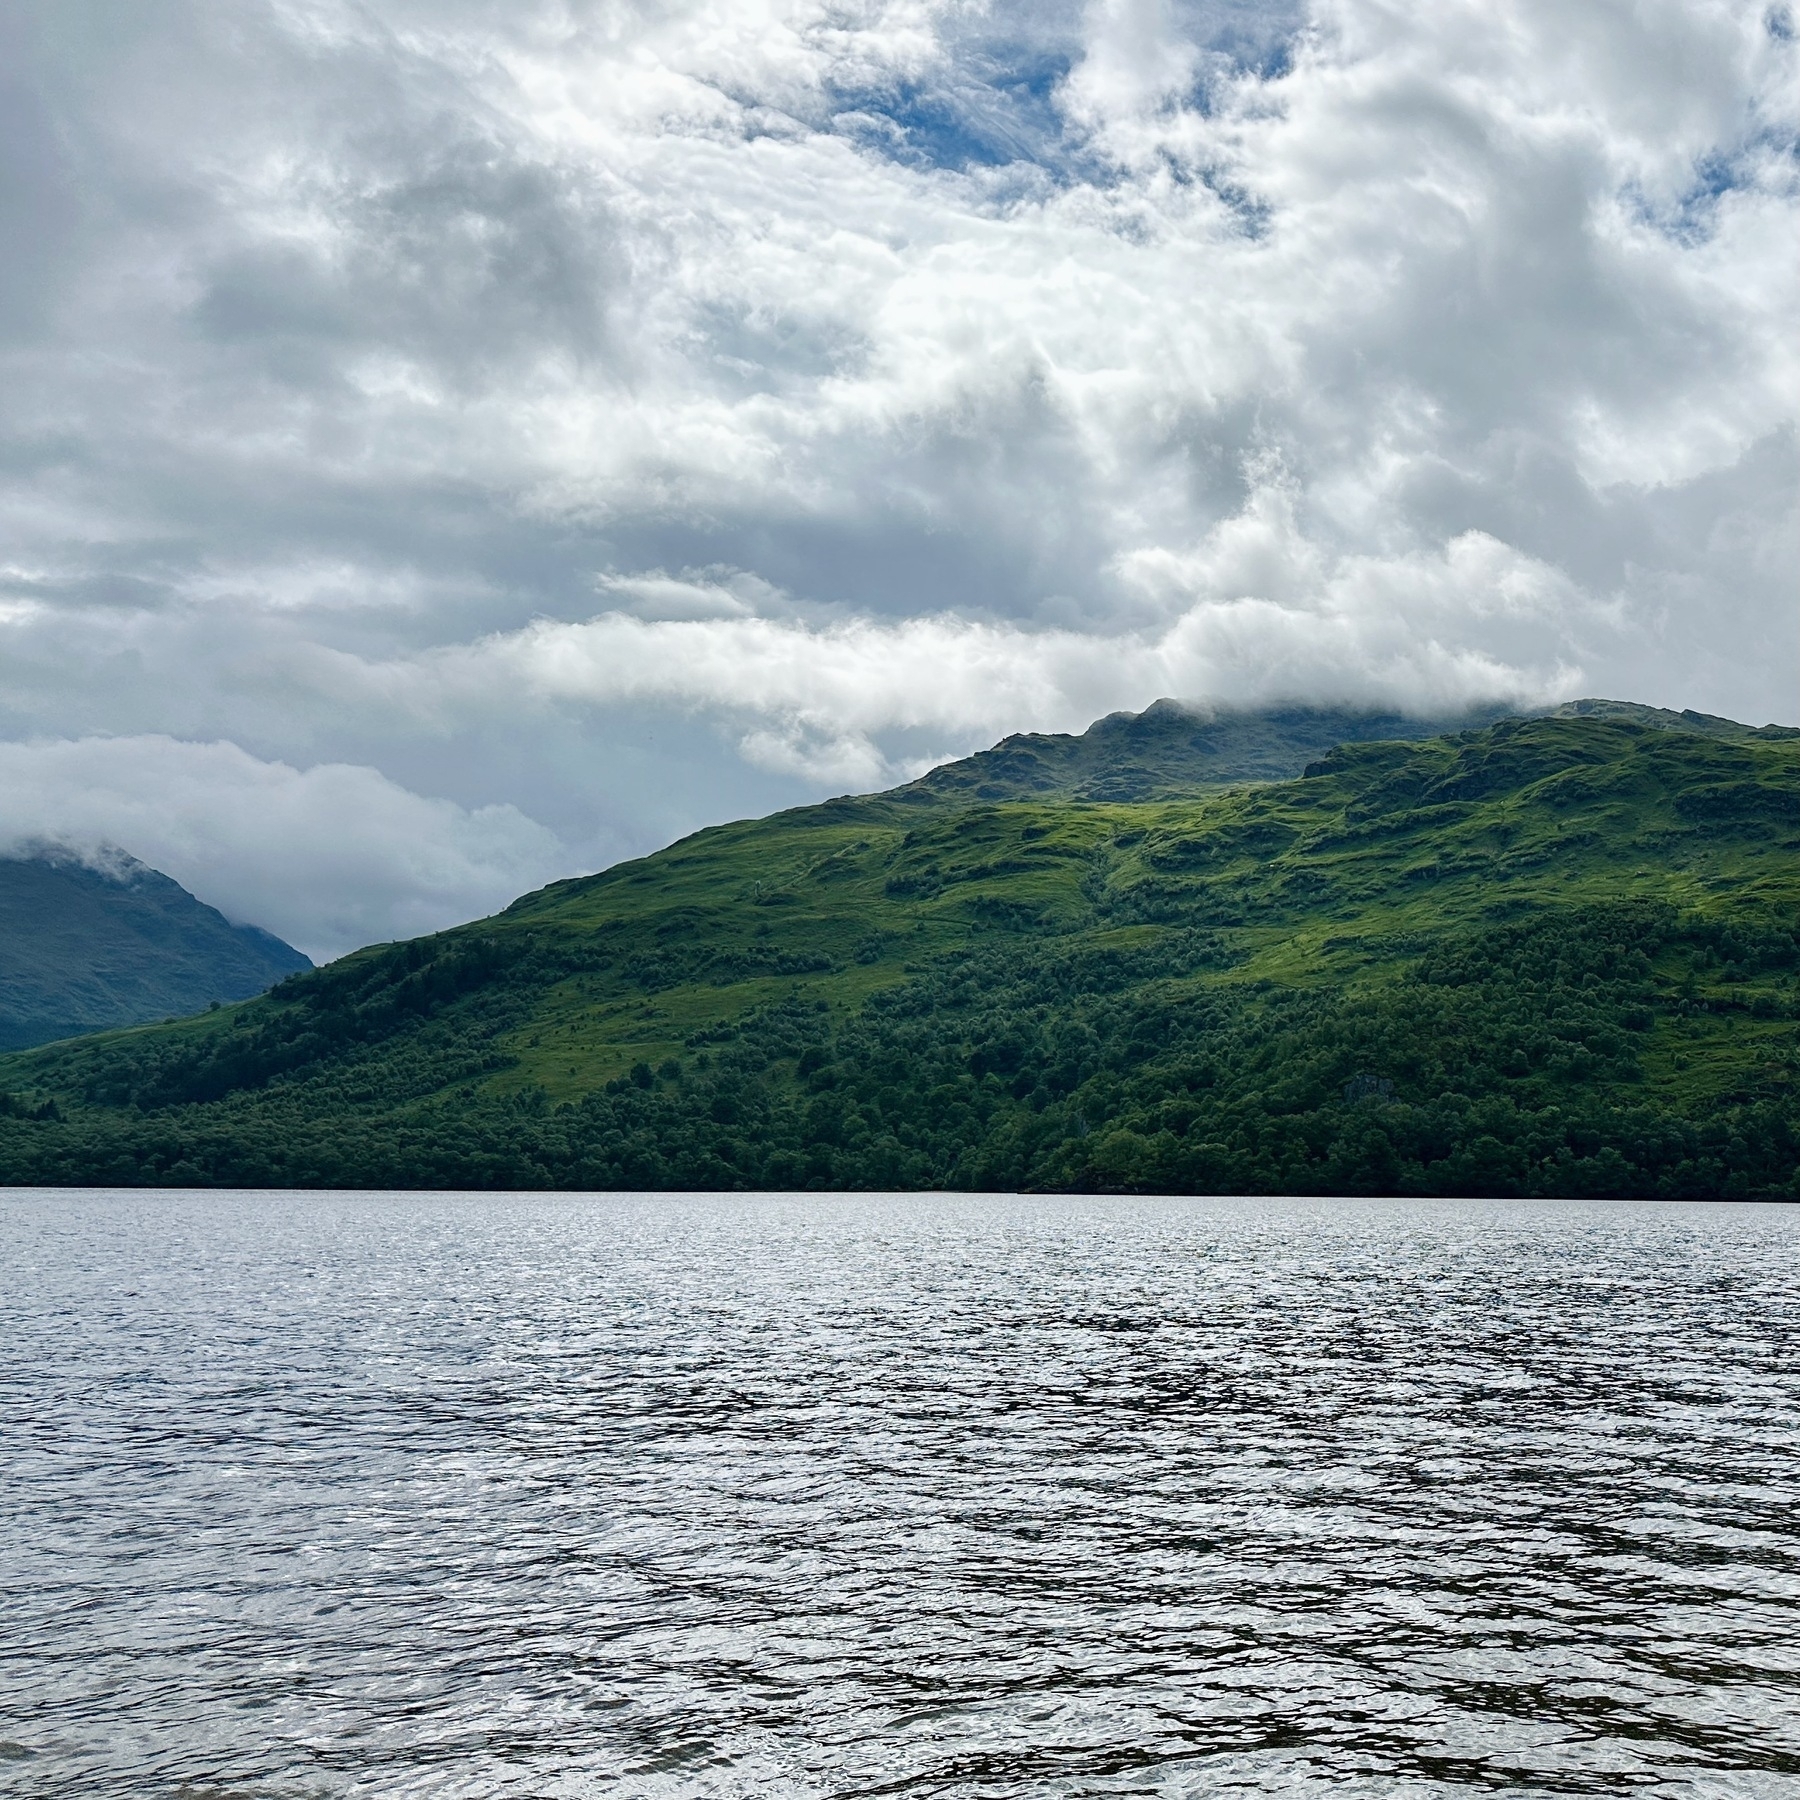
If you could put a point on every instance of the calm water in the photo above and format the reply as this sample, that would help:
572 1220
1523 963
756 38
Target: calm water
891 1495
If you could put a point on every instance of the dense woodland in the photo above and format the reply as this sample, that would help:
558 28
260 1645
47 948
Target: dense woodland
1548 957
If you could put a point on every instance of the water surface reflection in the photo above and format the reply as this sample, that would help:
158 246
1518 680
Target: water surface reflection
627 1495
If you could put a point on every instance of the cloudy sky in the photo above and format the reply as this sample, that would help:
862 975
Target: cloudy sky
448 444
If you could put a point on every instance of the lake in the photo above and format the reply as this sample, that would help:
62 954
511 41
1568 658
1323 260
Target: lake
823 1495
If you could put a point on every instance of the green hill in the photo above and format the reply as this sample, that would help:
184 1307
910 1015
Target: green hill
1553 955
1660 718
86 945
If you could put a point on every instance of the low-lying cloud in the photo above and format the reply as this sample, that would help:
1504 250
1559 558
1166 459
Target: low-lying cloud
821 698
329 857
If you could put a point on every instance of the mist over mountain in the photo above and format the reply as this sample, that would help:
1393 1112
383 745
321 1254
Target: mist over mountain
92 940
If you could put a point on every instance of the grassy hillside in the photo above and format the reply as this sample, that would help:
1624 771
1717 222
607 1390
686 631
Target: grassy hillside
1549 956
82 948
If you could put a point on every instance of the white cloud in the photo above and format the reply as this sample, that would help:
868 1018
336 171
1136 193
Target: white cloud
329 857
695 594
1251 615
898 373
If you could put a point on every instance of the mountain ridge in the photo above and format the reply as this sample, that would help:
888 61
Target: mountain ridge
1216 745
1548 955
93 939
1170 747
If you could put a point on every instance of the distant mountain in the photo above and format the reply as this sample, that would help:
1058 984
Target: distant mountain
1555 955
1660 718
89 944
1171 749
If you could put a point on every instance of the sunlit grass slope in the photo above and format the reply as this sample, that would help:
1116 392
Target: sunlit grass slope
1554 955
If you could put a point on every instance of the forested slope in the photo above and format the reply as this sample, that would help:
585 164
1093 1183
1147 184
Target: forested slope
1555 955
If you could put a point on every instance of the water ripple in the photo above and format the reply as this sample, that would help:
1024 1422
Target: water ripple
893 1495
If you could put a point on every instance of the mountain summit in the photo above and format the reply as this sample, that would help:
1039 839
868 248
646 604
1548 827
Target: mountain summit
1168 749
1174 747
89 941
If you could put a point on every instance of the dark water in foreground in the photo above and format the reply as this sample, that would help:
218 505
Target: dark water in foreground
883 1495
